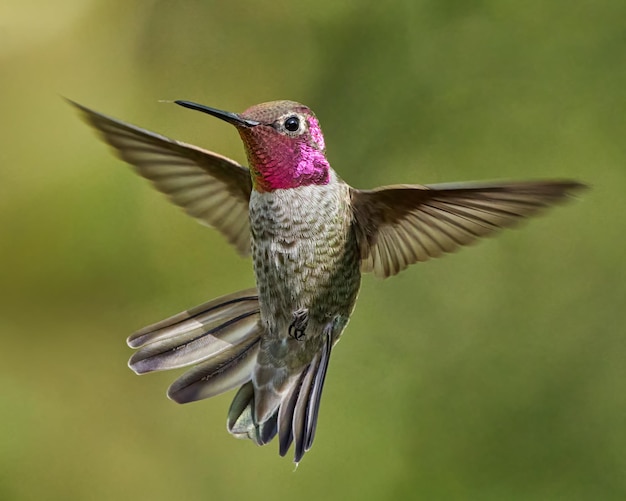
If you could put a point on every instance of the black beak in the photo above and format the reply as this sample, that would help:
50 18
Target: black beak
227 116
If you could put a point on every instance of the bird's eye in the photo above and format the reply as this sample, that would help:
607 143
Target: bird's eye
292 124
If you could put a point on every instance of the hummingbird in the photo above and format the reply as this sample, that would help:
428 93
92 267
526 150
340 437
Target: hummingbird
310 236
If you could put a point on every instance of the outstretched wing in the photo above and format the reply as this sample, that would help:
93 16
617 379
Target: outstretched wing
401 225
208 186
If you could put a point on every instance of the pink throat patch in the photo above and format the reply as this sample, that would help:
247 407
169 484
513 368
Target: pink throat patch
281 162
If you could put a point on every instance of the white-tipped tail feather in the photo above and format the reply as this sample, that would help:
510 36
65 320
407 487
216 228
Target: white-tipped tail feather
294 418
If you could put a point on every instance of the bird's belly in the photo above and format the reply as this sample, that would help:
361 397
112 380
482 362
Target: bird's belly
304 276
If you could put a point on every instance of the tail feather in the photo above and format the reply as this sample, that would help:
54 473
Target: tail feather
307 405
228 306
197 334
222 372
286 414
316 393
300 413
241 422
268 429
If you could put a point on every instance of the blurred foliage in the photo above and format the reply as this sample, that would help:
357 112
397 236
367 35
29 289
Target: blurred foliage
498 373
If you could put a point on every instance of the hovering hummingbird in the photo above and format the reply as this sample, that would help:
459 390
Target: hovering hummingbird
311 236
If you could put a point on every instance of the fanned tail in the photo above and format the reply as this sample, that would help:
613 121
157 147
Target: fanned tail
222 340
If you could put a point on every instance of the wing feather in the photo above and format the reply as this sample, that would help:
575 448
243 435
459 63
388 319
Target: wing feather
206 185
400 225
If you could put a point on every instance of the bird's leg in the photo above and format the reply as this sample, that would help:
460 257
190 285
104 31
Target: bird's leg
298 324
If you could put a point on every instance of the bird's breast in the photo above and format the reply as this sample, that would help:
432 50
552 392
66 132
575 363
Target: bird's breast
304 251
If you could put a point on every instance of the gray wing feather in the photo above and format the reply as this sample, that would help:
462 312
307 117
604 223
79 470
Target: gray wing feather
401 225
210 187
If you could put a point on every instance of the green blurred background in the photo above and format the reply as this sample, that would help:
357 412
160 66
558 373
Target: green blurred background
498 373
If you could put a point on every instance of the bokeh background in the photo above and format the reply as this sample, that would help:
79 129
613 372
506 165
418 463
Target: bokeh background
497 373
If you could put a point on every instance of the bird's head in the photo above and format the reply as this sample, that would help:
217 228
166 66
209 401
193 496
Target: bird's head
283 141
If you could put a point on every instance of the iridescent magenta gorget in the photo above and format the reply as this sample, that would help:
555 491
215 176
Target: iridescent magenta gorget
281 161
